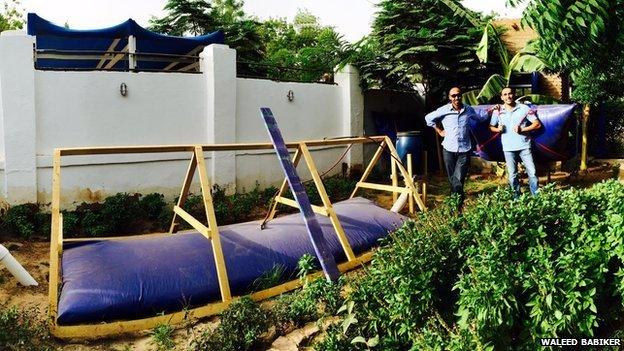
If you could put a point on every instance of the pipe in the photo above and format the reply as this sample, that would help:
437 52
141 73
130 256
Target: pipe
15 268
400 203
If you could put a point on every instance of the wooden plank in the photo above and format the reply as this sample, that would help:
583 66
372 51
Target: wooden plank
409 182
190 53
189 67
292 203
393 176
55 238
208 147
320 188
321 248
217 251
410 200
370 166
107 55
92 331
382 187
116 59
202 229
282 188
188 179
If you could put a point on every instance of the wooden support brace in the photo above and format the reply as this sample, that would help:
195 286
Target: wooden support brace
188 179
202 229
283 187
411 175
408 180
394 177
292 203
370 166
217 251
342 236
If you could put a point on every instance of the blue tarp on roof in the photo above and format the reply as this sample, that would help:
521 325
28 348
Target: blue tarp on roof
52 37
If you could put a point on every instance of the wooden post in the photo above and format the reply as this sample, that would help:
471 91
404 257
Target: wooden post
217 252
411 175
584 121
56 239
395 179
408 181
425 173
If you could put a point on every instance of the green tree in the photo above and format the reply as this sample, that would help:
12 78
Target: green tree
430 42
11 17
583 39
307 47
197 17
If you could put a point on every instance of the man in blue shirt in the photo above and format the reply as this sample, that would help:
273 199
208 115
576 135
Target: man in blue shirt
514 121
454 118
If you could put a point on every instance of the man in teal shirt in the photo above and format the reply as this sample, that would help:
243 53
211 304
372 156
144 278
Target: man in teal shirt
514 121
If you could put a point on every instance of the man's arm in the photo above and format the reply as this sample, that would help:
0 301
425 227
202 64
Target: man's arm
432 119
482 115
535 124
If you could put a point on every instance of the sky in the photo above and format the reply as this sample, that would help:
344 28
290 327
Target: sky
351 18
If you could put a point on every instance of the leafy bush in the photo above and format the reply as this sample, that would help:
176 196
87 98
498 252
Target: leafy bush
162 337
501 275
20 220
20 331
241 328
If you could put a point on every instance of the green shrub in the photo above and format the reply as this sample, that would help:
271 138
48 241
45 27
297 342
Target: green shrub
19 330
162 337
153 205
501 275
20 220
242 325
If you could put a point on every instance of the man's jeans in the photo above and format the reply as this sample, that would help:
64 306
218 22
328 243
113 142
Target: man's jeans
512 158
456 168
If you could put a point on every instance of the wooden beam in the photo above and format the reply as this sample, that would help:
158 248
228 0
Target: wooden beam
394 177
410 200
382 187
189 67
370 166
116 59
188 179
409 182
217 251
292 203
320 188
106 55
207 147
202 229
283 188
192 52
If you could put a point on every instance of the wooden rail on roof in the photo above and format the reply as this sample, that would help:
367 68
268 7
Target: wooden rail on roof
211 231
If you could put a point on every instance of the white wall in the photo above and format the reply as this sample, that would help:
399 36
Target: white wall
83 109
86 108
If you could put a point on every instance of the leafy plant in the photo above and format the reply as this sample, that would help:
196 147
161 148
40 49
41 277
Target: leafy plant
242 325
20 219
162 337
19 330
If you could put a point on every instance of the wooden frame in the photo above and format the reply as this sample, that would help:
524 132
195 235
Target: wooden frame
210 231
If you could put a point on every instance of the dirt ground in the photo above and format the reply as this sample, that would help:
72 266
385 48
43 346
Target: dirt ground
34 256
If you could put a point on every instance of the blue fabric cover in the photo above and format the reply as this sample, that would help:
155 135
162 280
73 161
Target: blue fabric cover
552 142
142 277
52 37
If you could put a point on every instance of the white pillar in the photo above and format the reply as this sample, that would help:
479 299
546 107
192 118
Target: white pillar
218 64
17 94
352 110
